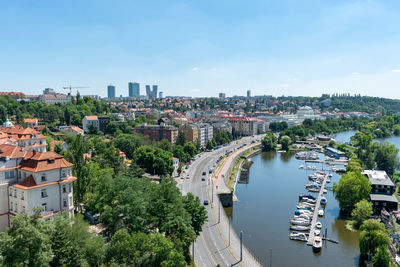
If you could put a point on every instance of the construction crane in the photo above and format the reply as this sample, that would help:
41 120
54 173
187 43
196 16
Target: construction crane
73 87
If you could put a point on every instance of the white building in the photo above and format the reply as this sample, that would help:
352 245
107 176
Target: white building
28 138
30 179
90 120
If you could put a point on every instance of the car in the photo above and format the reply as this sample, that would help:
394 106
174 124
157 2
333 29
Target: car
210 170
204 173
205 202
203 178
188 176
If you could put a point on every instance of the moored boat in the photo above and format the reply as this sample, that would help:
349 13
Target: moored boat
318 225
321 213
300 222
299 228
299 236
317 244
323 201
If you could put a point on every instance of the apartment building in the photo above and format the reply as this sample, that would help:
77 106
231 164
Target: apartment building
158 132
87 121
31 179
205 133
243 126
191 132
31 123
27 138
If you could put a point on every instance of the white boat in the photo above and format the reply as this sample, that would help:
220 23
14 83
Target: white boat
309 167
299 236
299 228
328 181
323 201
303 212
313 168
321 213
317 244
318 225
300 222
325 191
302 216
313 190
317 232
330 175
301 167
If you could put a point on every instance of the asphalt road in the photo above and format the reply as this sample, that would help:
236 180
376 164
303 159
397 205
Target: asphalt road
209 248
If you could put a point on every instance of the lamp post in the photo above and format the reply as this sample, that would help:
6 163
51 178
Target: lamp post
241 245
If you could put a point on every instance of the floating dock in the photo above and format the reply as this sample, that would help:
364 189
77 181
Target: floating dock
315 214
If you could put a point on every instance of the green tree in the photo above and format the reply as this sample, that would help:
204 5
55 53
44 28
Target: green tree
361 211
285 142
190 149
269 142
372 236
112 127
154 160
354 165
181 139
197 211
352 187
128 143
26 243
382 257
386 157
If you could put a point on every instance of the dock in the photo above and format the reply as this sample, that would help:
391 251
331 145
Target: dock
315 214
329 162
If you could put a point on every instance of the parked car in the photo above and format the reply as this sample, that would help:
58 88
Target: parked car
203 178
188 176
205 202
204 173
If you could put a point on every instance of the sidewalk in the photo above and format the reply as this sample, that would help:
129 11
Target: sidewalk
224 225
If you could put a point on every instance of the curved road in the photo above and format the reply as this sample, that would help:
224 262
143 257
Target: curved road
209 248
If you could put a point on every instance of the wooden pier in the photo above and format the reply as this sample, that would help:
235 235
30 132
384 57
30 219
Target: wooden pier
315 214
328 162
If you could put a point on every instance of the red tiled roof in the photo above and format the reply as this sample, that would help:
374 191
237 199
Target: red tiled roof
91 118
28 182
34 120
11 151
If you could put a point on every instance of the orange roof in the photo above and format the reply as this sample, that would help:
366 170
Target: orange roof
91 118
34 120
29 183
75 128
43 161
12 151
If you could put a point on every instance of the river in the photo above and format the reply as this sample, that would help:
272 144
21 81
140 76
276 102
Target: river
267 203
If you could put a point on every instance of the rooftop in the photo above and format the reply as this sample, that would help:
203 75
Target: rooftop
378 177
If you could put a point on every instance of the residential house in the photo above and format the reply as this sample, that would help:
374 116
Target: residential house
158 132
31 123
88 121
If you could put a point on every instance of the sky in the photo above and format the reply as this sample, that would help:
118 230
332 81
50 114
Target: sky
200 48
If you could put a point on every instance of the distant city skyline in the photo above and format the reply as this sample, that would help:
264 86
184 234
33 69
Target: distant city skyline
200 48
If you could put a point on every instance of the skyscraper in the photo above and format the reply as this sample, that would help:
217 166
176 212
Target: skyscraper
248 93
160 95
149 92
155 89
111 91
134 89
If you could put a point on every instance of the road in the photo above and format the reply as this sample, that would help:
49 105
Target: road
209 248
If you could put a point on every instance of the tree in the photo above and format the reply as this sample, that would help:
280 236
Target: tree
181 139
331 143
372 236
386 157
128 143
93 129
154 160
354 165
26 243
190 149
285 142
112 127
197 211
209 145
352 187
361 211
382 257
269 142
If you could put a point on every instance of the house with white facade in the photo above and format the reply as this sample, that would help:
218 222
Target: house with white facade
28 138
90 120
30 180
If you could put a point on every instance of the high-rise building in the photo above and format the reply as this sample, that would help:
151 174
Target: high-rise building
148 92
111 91
155 89
160 95
134 89
222 96
248 93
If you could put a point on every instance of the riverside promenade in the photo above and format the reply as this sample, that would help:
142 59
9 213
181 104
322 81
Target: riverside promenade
231 239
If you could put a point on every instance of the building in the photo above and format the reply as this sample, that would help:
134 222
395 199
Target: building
111 91
191 132
30 179
158 132
103 122
161 95
49 96
243 126
248 93
222 96
333 152
205 133
90 120
134 89
151 93
27 138
31 123
382 190
71 130
15 95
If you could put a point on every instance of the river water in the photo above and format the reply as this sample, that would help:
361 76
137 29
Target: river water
267 203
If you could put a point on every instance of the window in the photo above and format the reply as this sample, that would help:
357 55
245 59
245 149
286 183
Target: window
63 173
69 172
65 203
69 188
9 174
44 205
24 175
384 204
22 196
15 192
70 201
44 193
11 206
376 203
43 177
64 189
10 192
23 208
16 207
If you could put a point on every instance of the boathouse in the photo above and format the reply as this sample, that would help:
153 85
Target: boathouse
333 152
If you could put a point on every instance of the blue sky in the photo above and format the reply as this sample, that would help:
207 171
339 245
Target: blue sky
200 48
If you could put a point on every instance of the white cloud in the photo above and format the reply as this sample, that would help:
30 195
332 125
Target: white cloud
355 73
195 69
396 71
